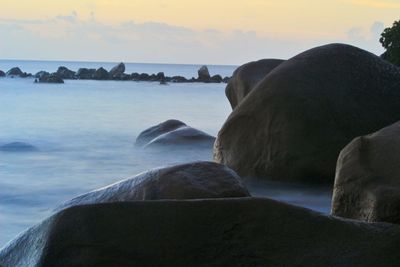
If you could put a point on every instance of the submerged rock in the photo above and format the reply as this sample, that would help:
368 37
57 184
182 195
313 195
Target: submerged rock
18 147
149 134
367 183
294 123
246 77
65 73
211 232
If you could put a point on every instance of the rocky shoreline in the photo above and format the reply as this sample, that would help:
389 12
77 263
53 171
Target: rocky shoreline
117 73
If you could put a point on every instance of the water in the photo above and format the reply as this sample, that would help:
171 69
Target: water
85 132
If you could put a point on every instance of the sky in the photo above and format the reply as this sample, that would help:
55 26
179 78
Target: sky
185 31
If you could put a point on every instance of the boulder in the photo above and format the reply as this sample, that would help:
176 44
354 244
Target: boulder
135 76
15 72
187 181
101 74
226 79
367 182
2 73
216 79
41 73
18 147
203 74
183 137
246 77
149 134
179 79
50 78
117 71
209 232
294 123
65 73
85 74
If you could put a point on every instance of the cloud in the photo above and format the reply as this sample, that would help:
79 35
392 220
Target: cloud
72 18
384 4
367 38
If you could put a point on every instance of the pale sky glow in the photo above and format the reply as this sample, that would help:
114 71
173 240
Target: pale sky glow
178 31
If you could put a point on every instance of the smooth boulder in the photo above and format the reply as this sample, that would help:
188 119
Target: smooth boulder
187 181
367 182
18 147
246 77
211 232
294 123
149 134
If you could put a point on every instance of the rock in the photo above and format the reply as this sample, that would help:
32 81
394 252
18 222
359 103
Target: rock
160 77
149 134
226 79
183 137
246 77
187 181
204 74
101 74
211 232
216 79
2 73
50 78
18 147
367 183
41 73
178 79
15 72
135 76
85 74
295 122
65 73
117 71
144 77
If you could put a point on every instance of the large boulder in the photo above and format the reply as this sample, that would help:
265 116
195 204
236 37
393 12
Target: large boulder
85 74
65 73
203 74
186 181
41 73
367 183
18 147
101 74
117 71
246 77
2 73
15 72
211 232
50 78
149 134
294 123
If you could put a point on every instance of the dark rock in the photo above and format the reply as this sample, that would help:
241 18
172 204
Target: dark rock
117 71
144 77
85 74
216 79
295 122
149 134
160 76
178 79
18 147
14 72
25 75
65 73
2 73
204 74
101 74
367 183
226 79
50 78
41 74
135 76
246 77
187 181
211 232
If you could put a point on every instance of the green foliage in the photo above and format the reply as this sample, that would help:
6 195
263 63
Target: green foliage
390 40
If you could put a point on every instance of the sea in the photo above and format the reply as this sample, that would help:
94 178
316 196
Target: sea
85 132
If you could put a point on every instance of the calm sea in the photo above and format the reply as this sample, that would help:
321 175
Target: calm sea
85 132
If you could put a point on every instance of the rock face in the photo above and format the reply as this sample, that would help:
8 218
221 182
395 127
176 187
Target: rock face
204 74
50 78
295 122
101 74
149 134
18 147
212 232
367 183
15 72
2 74
246 77
117 70
65 73
187 181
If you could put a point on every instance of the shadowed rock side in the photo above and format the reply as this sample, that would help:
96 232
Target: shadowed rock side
18 147
154 131
292 126
367 183
246 77
2 73
187 181
214 232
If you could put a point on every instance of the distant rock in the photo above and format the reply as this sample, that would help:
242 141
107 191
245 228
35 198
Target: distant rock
294 123
246 77
15 72
117 71
101 74
41 74
203 74
65 73
2 73
178 79
50 78
85 74
135 76
18 147
367 182
149 134
226 79
144 77
216 79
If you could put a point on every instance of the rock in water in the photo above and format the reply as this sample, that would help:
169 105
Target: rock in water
187 181
101 74
15 72
149 134
204 74
65 73
212 232
18 147
85 74
295 122
2 74
117 71
367 183
246 77
50 78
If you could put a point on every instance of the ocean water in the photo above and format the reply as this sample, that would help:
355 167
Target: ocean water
85 131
